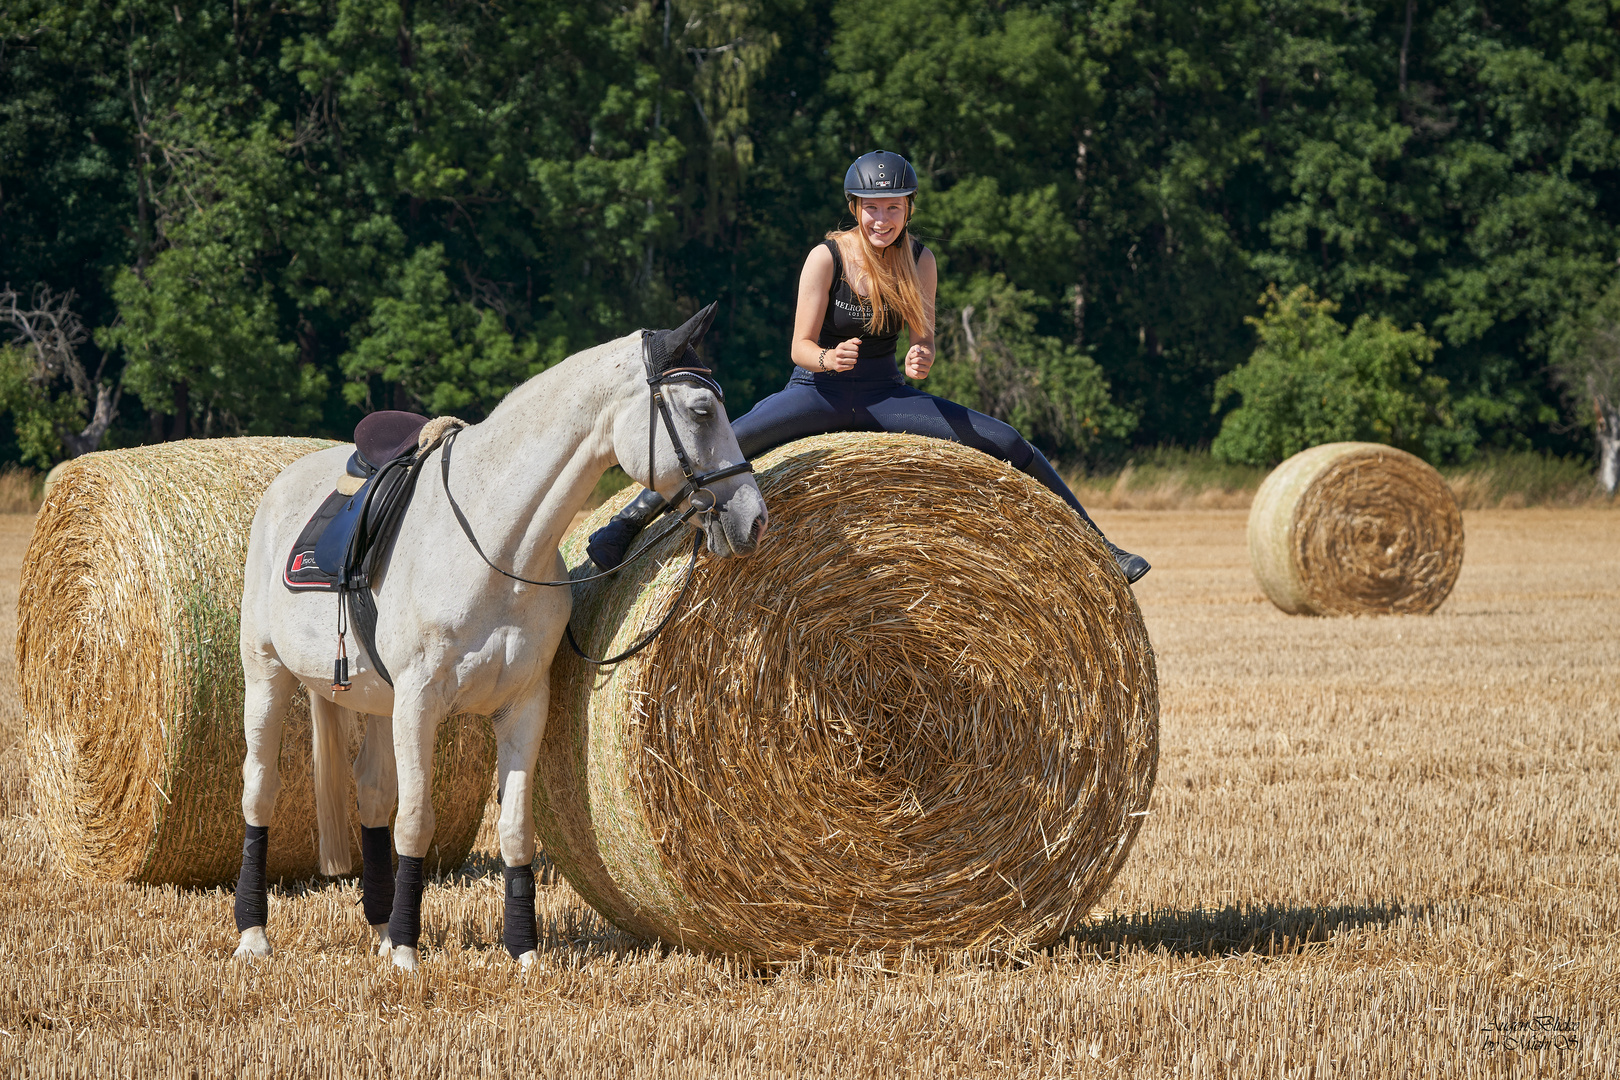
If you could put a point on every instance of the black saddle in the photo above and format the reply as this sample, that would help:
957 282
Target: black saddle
341 546
382 437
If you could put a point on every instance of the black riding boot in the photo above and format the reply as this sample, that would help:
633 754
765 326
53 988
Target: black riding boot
1133 566
611 543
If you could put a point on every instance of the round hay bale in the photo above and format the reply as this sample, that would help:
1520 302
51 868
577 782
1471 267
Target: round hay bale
923 713
127 655
1355 529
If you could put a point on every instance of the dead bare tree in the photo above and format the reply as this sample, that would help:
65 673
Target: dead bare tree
1586 363
1607 407
50 333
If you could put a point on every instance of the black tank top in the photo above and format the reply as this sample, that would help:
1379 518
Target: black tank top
846 318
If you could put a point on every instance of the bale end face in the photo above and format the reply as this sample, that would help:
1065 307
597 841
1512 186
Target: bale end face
923 714
1355 529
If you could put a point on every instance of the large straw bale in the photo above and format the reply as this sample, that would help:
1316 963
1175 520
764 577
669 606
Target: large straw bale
924 712
1355 529
128 623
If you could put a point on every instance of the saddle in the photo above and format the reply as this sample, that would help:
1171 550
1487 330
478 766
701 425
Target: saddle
352 530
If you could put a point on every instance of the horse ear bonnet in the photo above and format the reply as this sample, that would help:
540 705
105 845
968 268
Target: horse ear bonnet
674 348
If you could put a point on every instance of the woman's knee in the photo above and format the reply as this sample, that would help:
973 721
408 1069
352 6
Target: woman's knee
1014 449
1001 440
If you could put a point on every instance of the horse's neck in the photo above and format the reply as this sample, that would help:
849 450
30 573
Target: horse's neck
522 475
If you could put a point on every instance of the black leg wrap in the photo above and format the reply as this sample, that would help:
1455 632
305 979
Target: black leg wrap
405 927
252 896
377 874
521 935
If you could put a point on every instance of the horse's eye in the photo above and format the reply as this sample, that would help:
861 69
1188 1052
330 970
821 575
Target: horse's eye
702 413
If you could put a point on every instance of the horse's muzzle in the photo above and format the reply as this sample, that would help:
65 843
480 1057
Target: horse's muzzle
737 527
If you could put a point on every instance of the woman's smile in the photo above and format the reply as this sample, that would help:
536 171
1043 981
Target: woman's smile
882 220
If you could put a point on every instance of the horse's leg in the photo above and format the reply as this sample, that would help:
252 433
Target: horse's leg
518 735
269 687
377 789
415 728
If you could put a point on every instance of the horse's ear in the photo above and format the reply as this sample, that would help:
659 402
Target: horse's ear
691 331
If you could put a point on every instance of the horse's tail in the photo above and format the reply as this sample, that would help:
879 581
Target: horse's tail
331 784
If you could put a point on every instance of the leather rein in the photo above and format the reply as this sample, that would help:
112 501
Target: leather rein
696 485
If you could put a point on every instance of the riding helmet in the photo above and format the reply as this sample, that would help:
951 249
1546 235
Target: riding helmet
880 173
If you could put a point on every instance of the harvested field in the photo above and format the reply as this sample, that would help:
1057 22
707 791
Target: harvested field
1373 842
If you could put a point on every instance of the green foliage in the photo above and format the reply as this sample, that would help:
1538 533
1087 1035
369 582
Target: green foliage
1586 355
199 323
279 215
991 358
1312 381
444 354
39 415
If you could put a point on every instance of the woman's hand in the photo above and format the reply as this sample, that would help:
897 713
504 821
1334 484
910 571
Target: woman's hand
919 358
843 356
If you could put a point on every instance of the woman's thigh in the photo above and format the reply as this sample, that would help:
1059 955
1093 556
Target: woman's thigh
915 412
796 411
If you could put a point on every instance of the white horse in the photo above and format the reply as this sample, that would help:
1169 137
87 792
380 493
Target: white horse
455 634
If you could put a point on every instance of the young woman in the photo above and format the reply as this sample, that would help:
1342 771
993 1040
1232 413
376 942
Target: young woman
856 290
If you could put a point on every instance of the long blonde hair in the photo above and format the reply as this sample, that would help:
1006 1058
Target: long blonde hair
891 274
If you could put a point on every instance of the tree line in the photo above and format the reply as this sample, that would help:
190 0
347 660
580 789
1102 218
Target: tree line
1238 222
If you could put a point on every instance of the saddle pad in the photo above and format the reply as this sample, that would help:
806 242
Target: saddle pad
302 573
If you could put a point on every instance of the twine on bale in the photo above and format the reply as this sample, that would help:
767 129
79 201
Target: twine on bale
127 654
924 713
1355 529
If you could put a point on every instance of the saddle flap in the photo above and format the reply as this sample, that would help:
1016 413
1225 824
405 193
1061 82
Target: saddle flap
332 546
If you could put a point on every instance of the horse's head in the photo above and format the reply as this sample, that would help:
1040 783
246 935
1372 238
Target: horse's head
679 414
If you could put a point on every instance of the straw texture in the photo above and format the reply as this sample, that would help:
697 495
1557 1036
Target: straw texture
924 712
1355 529
127 655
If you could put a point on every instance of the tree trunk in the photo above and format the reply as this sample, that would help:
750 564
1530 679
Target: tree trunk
1608 437
182 411
90 438
1406 42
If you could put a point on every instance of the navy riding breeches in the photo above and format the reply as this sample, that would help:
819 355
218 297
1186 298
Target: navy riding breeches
814 404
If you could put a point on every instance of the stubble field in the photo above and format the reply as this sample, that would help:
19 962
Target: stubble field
1377 847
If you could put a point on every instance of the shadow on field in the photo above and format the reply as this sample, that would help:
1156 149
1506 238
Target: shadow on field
1269 930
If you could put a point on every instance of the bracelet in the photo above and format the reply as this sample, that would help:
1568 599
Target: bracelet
821 360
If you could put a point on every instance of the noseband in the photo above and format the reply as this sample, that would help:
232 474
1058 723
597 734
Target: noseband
696 486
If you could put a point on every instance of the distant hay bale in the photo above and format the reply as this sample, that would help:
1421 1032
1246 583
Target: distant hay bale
127 630
1355 529
924 712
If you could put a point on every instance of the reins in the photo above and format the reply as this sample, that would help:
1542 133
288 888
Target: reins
696 485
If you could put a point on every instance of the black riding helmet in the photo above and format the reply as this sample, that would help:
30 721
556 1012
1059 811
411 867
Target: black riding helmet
880 173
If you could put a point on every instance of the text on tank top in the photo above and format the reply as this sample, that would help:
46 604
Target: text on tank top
847 313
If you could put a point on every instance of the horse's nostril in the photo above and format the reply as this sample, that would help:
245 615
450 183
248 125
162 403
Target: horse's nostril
759 529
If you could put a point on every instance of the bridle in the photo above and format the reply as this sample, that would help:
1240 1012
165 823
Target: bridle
696 485
696 482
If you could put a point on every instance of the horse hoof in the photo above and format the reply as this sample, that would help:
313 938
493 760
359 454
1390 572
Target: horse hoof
526 961
254 944
384 946
405 958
